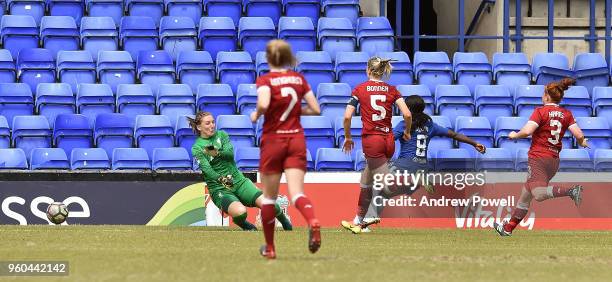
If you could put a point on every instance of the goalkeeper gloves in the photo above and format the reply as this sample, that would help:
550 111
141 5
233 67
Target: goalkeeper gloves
227 181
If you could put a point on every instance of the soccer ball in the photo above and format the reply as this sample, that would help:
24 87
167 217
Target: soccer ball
57 212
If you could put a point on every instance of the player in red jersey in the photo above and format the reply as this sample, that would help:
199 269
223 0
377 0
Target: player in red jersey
283 145
375 99
547 125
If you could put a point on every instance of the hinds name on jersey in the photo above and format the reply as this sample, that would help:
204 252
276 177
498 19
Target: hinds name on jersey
377 88
554 114
285 80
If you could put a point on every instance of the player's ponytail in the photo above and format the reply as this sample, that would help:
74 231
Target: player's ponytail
380 68
279 54
555 90
416 105
194 122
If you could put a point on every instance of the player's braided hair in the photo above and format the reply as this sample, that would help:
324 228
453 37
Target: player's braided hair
556 89
379 67
193 122
279 54
416 104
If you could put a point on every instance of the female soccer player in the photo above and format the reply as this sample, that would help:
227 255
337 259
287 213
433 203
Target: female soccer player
229 189
375 99
547 124
283 145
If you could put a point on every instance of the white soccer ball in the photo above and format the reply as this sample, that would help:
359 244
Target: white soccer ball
57 212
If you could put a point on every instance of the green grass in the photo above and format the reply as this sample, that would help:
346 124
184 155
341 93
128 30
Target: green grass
140 253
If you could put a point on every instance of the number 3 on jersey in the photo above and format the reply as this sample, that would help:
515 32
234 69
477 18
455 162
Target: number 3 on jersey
376 107
555 132
288 91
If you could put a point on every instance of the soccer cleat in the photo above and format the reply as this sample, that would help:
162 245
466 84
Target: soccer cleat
314 236
576 194
500 229
368 222
267 253
355 228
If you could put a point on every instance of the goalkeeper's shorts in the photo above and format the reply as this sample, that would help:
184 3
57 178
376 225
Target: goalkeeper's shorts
244 192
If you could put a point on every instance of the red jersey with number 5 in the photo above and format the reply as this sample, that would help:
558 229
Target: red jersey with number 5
287 90
552 121
376 100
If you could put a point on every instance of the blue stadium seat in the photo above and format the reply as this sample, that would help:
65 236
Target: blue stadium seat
13 159
527 98
247 158
59 33
171 159
94 99
138 34
89 158
34 8
30 132
16 99
336 35
105 8
246 98
332 159
503 127
234 68
374 34
453 101
224 8
263 8
261 63
215 98
185 8
35 66
433 69
549 67
177 34
402 67
438 143
496 159
511 69
356 128
421 90
194 68
217 34
5 133
299 32
577 100
113 131
175 100
603 160
130 158
477 128
153 131
472 69
577 160
7 67
145 8
18 32
70 8
591 70
239 128
318 131
184 135
597 130
49 158
310 164
455 160
254 34
116 67
98 34
493 101
154 68
348 9
303 8
134 100
350 67
521 159
602 102
317 67
53 99
72 131
75 67
360 161
333 98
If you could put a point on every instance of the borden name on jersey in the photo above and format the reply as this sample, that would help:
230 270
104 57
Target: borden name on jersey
377 88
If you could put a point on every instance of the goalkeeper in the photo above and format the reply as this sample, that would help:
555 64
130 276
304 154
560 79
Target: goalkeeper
229 189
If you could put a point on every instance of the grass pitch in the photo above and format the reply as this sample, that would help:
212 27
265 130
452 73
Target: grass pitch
140 253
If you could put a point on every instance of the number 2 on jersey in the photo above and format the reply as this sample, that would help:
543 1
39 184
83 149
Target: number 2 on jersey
555 132
288 91
375 106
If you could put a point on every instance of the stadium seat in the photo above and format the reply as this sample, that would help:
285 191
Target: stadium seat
350 67
454 160
72 131
503 127
177 34
472 69
13 159
496 159
578 101
247 158
18 32
332 98
254 34
310 164
98 34
35 66
602 102
113 131
30 132
549 67
16 99
303 8
34 8
105 8
336 35
175 100
527 98
603 160
318 131
134 100
224 8
194 68
59 33
53 99
299 32
348 9
116 67
521 159
420 90
94 99
154 68
138 34
493 101
215 98
511 69
433 69
185 8
217 34
597 130
7 67
184 135
453 101
90 158
5 133
356 130
171 159
317 67
239 128
75 67
374 34
437 143
577 160
234 68
263 8
153 131
70 8
360 161
477 128
332 159
130 158
49 158
591 70
402 68
246 98
261 63
145 8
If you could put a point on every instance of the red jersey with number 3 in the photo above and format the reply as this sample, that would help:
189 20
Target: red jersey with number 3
376 100
287 90
552 121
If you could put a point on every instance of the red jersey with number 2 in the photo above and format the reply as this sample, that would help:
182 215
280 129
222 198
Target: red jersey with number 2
376 100
552 121
287 90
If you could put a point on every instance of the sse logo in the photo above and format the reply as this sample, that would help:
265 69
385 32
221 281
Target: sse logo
70 202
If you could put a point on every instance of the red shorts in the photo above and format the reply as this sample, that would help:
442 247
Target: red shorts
279 153
378 149
541 171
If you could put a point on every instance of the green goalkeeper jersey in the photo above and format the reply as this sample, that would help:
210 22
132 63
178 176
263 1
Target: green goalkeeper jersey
214 167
